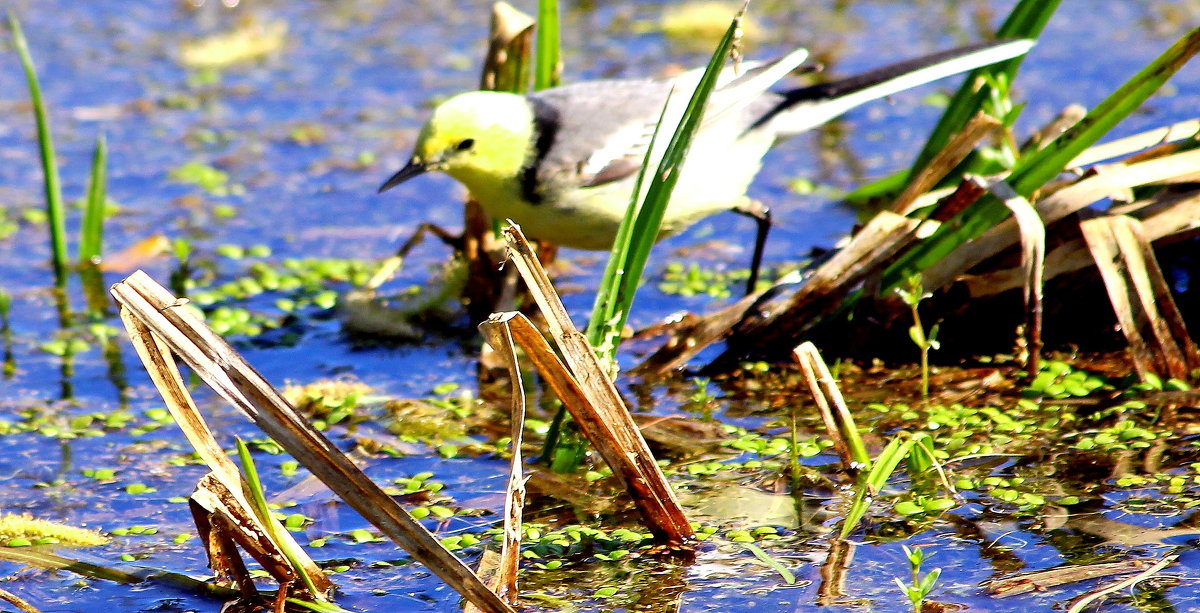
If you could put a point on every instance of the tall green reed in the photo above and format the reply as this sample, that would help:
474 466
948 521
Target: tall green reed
978 91
91 231
636 235
53 188
92 227
640 228
547 67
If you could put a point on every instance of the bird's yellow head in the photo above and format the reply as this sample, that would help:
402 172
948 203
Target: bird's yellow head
482 139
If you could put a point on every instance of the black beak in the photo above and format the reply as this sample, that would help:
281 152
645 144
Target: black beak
413 169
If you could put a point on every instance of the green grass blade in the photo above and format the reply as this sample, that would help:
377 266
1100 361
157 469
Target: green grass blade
547 67
91 233
259 499
887 462
1035 170
54 204
788 576
1027 20
858 508
892 184
628 259
921 458
883 468
319 606
639 228
603 334
858 449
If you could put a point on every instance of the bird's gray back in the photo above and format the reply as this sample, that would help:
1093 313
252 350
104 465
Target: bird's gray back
616 117
586 117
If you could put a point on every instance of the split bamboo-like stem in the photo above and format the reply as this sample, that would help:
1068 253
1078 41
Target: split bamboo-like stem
214 361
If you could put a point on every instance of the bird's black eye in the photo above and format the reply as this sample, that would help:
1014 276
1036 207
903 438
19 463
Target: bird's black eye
466 144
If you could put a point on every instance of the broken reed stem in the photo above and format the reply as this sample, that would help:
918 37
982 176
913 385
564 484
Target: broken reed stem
1057 206
1033 262
1040 580
504 581
269 547
210 357
610 429
17 602
1081 603
847 442
223 524
946 160
582 382
1140 297
823 292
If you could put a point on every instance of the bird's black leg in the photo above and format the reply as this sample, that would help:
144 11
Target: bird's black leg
454 241
762 216
387 268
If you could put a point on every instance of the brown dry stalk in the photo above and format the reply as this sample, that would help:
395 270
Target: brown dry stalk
1081 603
945 161
839 424
1166 218
214 361
1112 179
583 384
1033 263
1141 297
1063 575
692 337
221 534
872 248
603 419
233 501
504 580
18 602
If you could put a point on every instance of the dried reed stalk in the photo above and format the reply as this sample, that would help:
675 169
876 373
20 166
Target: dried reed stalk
1033 265
1043 579
1111 180
214 361
946 160
585 388
223 492
1141 297
503 575
839 423
872 248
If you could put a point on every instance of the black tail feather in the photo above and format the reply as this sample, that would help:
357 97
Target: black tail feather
849 85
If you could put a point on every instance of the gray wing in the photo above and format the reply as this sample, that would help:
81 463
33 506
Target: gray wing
596 131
